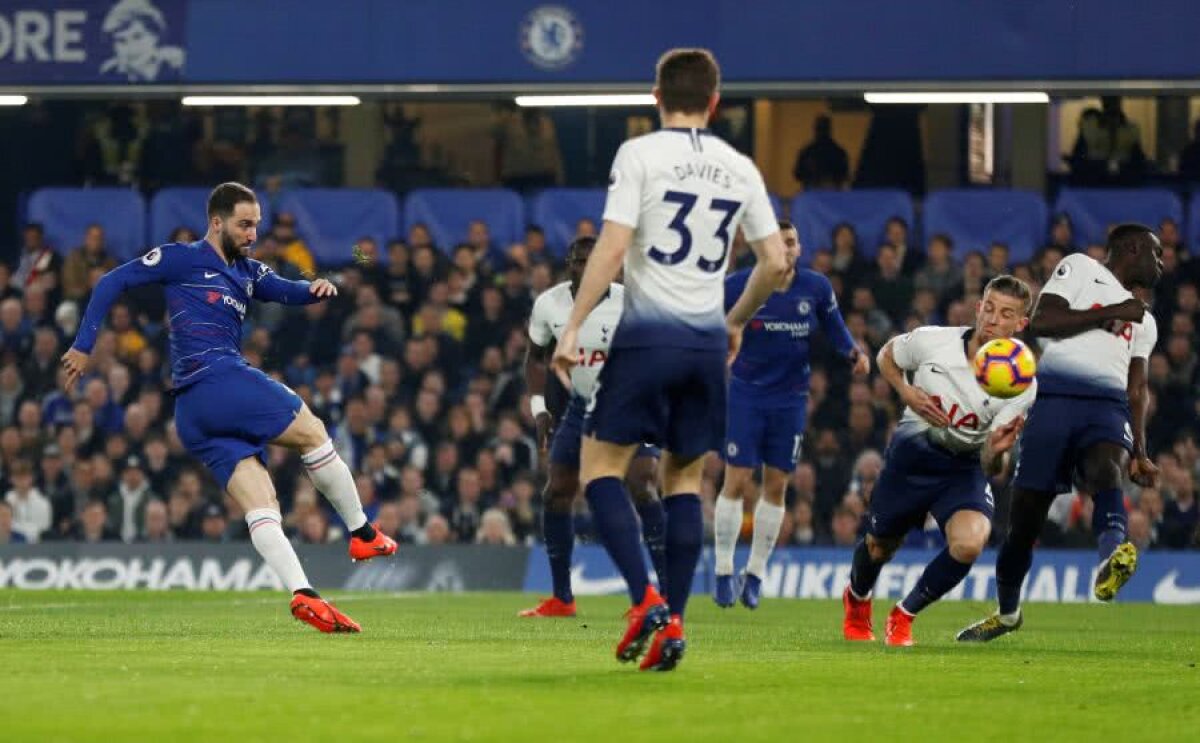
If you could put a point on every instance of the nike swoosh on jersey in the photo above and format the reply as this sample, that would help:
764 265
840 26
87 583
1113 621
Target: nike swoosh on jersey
1102 283
1168 591
209 275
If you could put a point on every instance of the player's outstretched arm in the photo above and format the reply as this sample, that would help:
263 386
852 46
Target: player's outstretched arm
834 327
1141 468
154 267
537 359
1054 318
271 287
602 267
914 397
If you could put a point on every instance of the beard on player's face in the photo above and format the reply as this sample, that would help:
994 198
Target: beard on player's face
233 247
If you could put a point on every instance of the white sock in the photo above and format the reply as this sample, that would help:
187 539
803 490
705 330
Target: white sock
332 478
1009 620
267 535
727 524
767 520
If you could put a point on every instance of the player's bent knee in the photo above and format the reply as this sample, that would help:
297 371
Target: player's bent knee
881 550
251 486
967 550
775 486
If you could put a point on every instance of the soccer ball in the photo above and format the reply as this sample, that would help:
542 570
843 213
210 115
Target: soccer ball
1004 367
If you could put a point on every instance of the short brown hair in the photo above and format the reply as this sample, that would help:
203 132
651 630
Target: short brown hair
225 197
1011 286
687 79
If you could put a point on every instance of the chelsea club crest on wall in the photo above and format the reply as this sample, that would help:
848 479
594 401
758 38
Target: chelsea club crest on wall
551 37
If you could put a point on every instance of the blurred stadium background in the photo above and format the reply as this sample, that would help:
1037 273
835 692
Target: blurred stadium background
920 147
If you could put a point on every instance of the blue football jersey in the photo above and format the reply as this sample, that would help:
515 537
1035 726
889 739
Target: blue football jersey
206 303
773 360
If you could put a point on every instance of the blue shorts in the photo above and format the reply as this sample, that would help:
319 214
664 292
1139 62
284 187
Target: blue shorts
232 414
670 397
759 433
920 477
1058 430
565 446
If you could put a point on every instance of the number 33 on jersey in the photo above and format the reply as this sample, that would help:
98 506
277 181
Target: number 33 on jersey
685 192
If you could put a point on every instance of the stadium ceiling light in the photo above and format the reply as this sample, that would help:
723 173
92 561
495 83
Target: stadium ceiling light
271 100
606 99
13 100
997 97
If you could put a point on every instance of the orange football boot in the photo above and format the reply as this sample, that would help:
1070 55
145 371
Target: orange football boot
381 546
856 624
321 614
898 632
644 620
551 607
667 648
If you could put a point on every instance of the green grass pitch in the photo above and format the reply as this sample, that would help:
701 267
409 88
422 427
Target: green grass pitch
80 666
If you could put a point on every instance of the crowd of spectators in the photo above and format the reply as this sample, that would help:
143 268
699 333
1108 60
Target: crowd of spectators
416 368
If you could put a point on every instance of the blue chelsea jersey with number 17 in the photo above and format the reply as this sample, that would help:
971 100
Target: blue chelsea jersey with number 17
685 193
772 365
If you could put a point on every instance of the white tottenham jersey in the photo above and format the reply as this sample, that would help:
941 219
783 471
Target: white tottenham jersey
1095 362
937 358
549 317
685 192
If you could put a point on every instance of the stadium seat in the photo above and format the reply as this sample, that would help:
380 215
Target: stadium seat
975 219
558 210
448 212
1094 210
172 208
332 220
816 213
67 212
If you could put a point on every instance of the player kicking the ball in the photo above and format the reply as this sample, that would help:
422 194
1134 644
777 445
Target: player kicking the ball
1096 338
558 525
951 437
226 411
768 404
675 199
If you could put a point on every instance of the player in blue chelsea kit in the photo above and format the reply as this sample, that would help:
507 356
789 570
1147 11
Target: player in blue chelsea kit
226 412
768 403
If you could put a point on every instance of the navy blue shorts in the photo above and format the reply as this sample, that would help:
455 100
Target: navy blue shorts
920 477
233 414
670 397
565 445
1058 430
759 433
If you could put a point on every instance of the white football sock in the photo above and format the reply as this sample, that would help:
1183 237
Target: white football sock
1009 620
332 478
266 533
767 520
727 524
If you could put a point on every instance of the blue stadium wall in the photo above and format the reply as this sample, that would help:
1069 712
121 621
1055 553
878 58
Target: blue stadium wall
477 41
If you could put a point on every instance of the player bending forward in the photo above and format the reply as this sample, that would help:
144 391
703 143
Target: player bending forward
558 524
226 411
1096 337
675 199
768 404
951 437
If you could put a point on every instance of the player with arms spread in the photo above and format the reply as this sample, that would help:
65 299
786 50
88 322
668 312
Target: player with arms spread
676 197
546 324
953 435
226 412
768 405
1096 338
